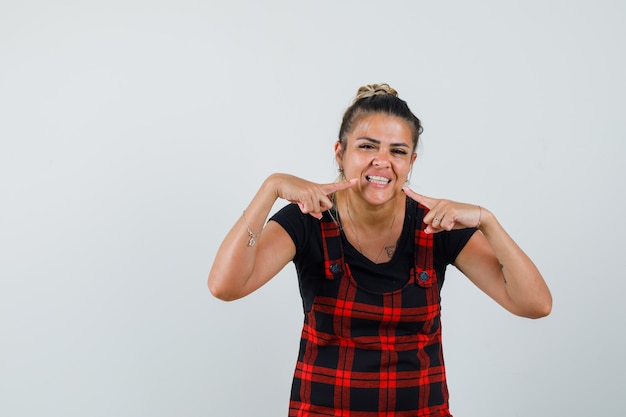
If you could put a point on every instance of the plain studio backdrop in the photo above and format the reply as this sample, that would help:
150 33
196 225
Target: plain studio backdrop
133 133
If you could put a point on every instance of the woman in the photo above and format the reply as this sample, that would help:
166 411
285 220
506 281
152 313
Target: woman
371 256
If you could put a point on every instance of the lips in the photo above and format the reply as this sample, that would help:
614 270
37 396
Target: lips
375 179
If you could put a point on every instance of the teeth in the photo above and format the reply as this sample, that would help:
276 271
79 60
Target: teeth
378 180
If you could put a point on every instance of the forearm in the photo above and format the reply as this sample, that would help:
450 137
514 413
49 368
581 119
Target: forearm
524 284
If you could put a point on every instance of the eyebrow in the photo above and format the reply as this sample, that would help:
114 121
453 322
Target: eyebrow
377 142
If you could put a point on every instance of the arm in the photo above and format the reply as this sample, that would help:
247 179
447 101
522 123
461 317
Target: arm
491 259
500 268
240 268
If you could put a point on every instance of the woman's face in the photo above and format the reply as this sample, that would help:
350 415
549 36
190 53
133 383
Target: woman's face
379 152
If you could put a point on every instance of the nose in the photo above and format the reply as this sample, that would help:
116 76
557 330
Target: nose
381 160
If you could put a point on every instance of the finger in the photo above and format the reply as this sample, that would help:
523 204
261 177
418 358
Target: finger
315 210
309 207
429 229
316 214
422 199
441 218
338 186
447 224
316 205
434 222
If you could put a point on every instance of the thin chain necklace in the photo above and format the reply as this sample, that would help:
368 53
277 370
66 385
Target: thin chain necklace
386 247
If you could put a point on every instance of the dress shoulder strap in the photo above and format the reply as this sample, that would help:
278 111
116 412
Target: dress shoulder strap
424 272
334 264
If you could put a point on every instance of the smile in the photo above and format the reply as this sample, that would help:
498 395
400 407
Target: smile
375 179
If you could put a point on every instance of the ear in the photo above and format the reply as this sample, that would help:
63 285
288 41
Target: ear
339 154
413 158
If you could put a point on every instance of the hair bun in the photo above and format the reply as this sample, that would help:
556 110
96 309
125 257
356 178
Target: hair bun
371 90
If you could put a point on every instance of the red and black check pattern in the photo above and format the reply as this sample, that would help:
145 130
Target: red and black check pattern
365 354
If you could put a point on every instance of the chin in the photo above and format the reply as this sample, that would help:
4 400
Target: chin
377 197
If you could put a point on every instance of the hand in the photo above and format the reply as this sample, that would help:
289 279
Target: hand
312 198
446 214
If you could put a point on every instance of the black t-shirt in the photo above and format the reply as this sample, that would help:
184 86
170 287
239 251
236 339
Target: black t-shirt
309 259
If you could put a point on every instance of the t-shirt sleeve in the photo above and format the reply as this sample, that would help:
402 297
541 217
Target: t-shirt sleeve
295 224
448 245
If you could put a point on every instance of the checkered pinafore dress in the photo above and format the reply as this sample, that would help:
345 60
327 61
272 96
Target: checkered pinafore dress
367 354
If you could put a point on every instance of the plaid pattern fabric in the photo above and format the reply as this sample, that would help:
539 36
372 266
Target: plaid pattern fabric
364 354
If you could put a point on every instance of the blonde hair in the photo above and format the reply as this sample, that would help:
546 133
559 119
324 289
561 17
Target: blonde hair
374 90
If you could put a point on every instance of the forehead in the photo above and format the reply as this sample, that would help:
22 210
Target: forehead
382 127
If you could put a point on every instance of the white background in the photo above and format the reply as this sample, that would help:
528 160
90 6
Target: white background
134 132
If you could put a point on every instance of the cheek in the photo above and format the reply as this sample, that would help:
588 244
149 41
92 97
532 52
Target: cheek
402 164
352 160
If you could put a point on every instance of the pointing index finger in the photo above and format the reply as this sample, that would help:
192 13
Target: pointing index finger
422 199
337 186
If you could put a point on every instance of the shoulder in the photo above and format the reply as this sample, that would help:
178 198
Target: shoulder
451 243
289 217
290 210
300 227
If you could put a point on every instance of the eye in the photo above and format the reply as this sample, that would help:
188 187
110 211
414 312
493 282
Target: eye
400 151
366 146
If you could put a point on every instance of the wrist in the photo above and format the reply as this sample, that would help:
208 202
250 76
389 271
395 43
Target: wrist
486 219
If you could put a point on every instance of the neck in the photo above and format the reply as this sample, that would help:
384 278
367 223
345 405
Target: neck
373 230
